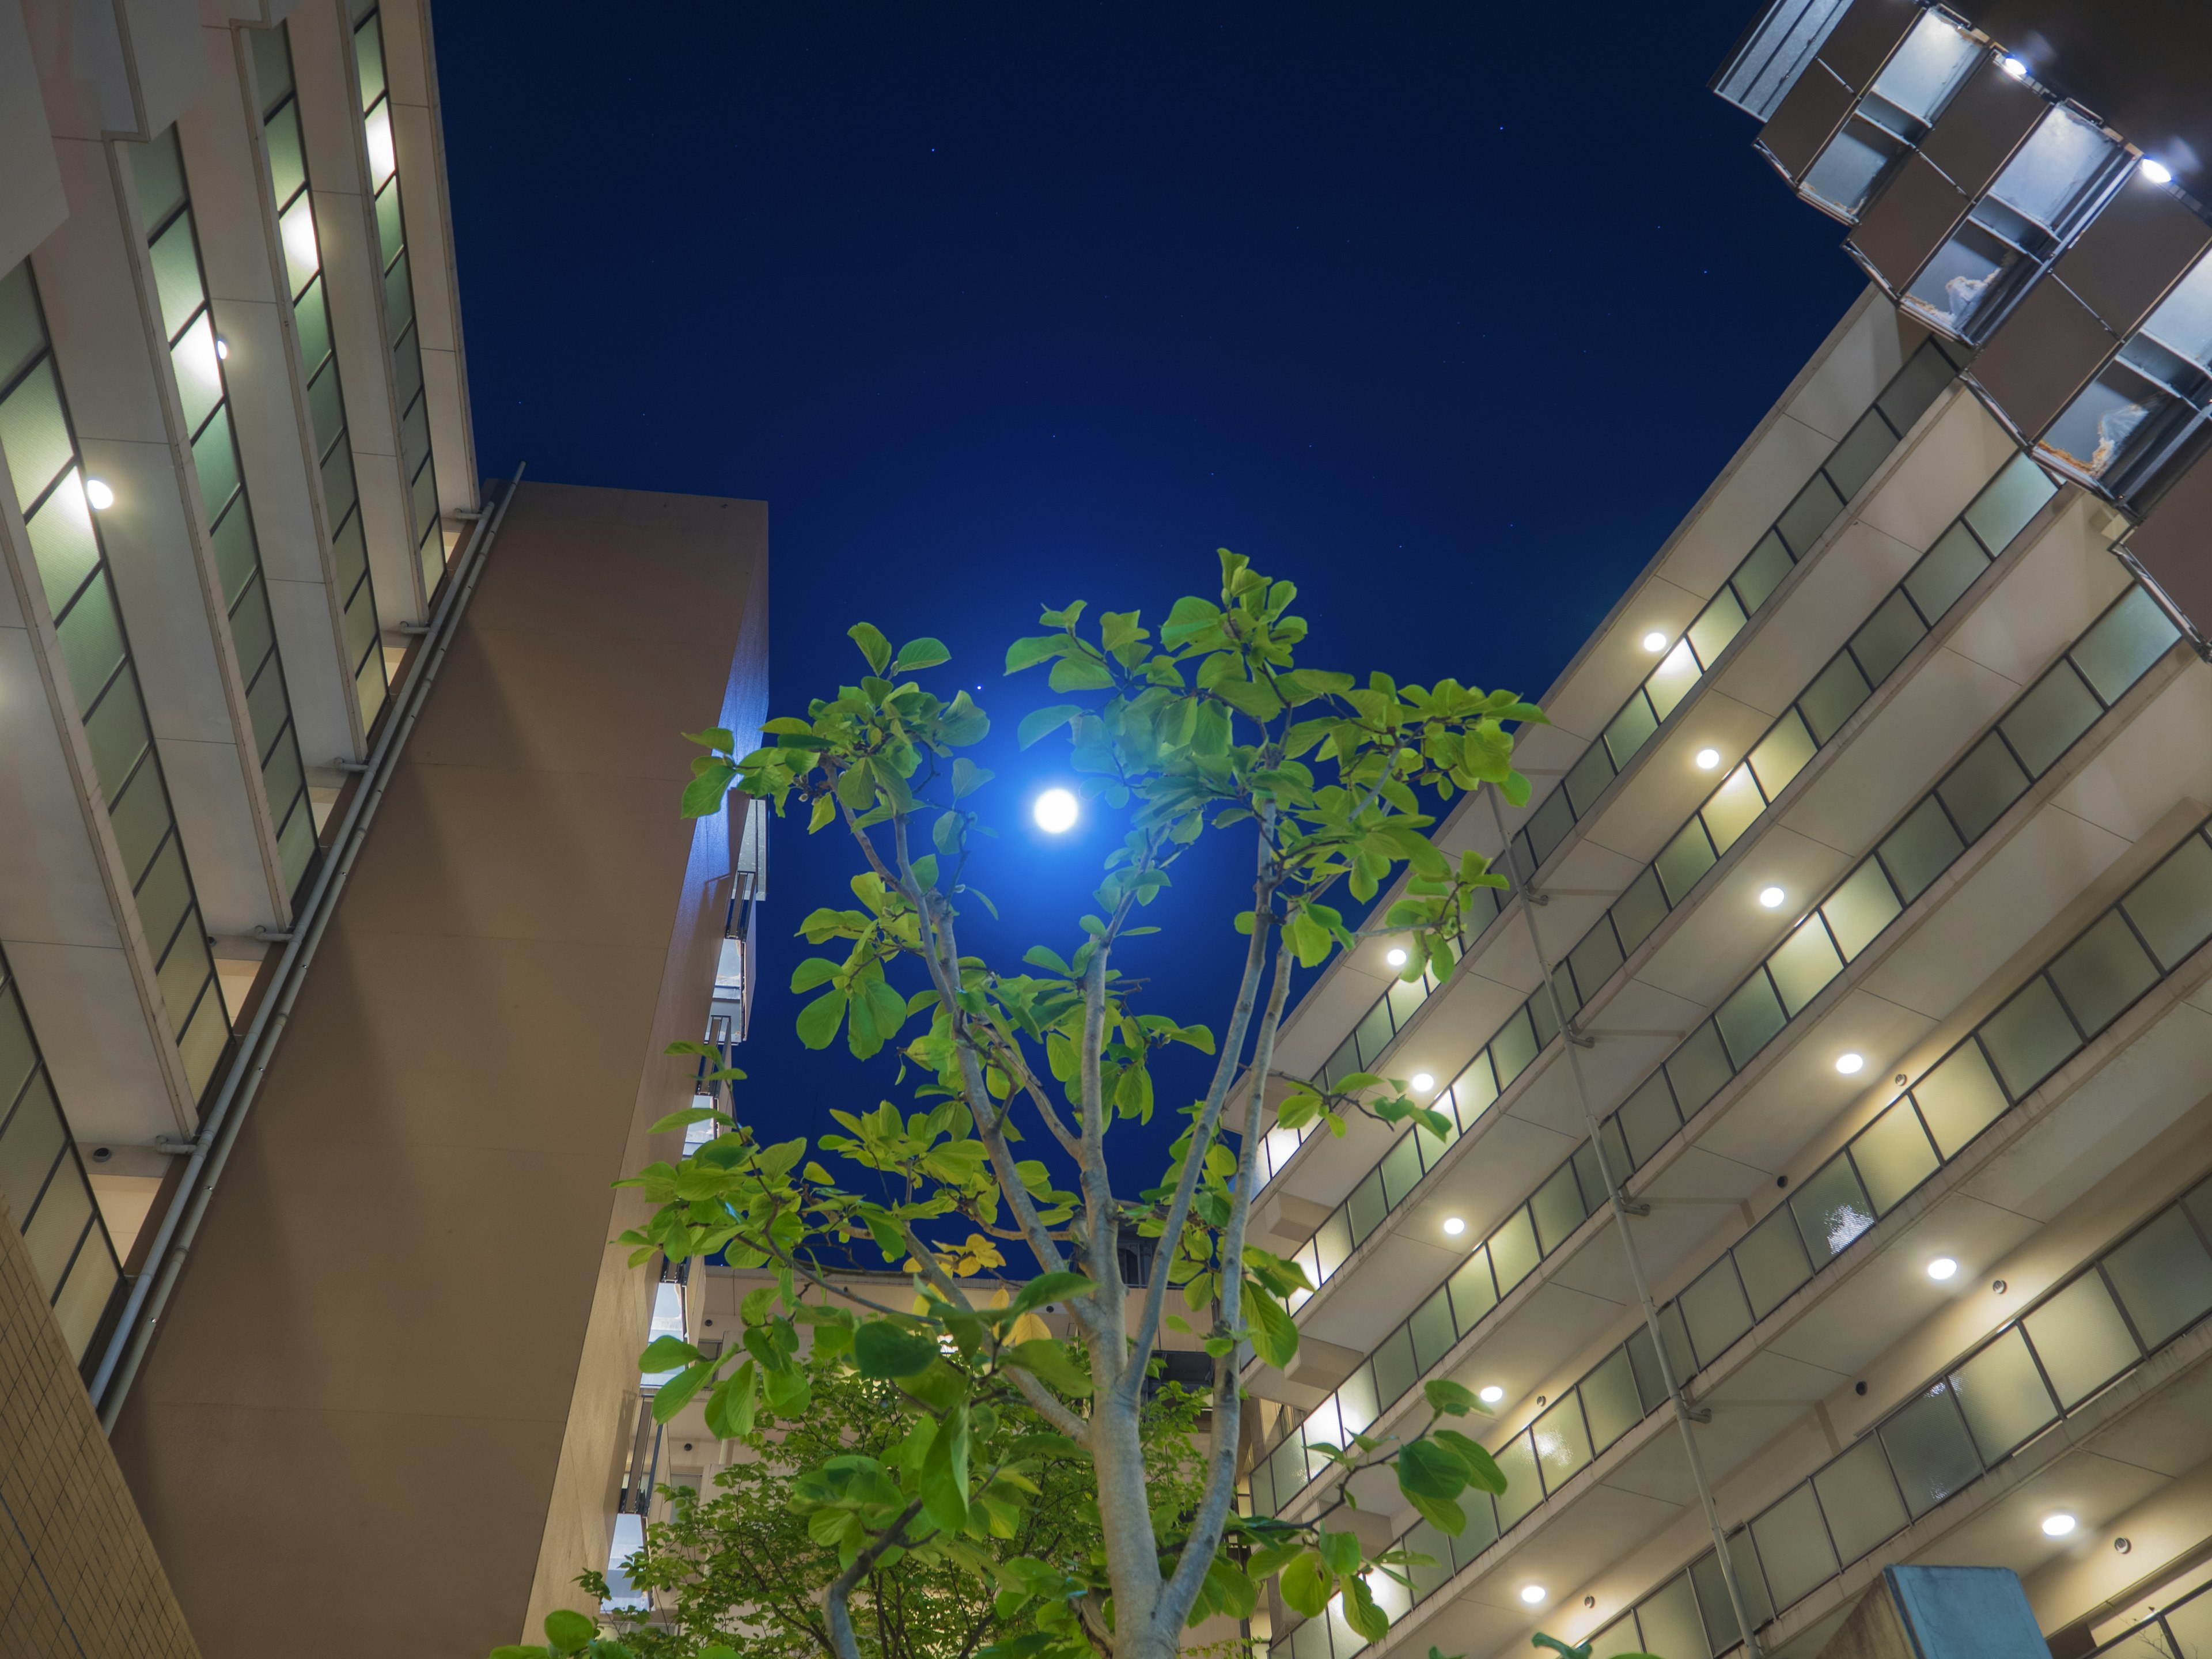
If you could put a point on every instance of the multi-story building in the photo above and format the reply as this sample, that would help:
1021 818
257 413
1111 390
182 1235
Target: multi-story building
1830 1181
343 911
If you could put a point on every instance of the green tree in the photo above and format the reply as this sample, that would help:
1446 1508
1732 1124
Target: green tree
737 1565
1207 726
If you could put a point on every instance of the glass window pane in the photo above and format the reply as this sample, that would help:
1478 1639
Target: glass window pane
176 274
1920 849
1858 910
1913 388
1761 572
1632 728
2102 972
62 542
1638 910
1893 1156
1945 571
34 436
1402 1169
1593 960
1713 1599
1981 786
1860 1500
91 642
1864 447
1644 1360
1512 1049
31 1141
1715 1311
2008 502
1697 1069
2189 1626
116 732
141 816
1732 809
2164 1277
84 1298
1481 1528
1959 1098
1333 1244
1365 1209
1473 1090
2081 1339
1671 681
1425 1539
1793 1547
1516 1460
399 295
1782 754
288 168
1930 1449
2125 641
1619 1636
2003 1395
1804 520
1771 1259
2029 1036
1610 1401
1719 623
57 1226
2044 724
2172 906
1832 1210
1548 827
1394 1370
1588 778
1513 1253
184 972
1882 642
1687 857
1473 1294
17 1055
1670 1621
215 458
1802 964
1647 1118
197 370
1556 1208
1563 1445
1834 697
1749 1019
390 223
158 170
22 336
1430 1329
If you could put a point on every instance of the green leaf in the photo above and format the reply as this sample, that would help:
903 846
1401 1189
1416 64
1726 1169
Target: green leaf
730 1407
1049 1287
1341 1553
1027 652
918 654
1448 1398
883 1349
1482 1468
1446 1516
968 777
1274 1333
1427 1468
944 1472
814 970
819 1020
1082 672
675 1394
1361 1613
1049 1360
1039 721
1305 1585
665 1353
567 1630
789 1393
873 646
703 794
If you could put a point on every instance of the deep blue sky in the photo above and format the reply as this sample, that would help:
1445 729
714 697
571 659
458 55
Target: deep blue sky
1447 314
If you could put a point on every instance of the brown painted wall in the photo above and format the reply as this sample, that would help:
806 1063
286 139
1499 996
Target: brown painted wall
77 1573
353 1434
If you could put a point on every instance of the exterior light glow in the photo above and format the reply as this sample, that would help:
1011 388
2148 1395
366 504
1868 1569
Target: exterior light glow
1491 1395
1654 642
98 494
1532 1593
223 350
1394 956
2157 172
1849 1065
1771 897
1941 1268
2013 67
1708 759
2059 1525
1423 1083
1054 811
1454 1225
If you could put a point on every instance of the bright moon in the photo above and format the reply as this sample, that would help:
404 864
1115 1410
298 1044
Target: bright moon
1054 811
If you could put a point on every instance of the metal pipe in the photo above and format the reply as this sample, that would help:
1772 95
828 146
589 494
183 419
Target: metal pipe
1621 1212
180 1222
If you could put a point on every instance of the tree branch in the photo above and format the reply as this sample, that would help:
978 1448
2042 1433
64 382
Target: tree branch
840 1588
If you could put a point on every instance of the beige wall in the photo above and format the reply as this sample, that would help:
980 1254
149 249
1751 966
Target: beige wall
77 1573
361 1397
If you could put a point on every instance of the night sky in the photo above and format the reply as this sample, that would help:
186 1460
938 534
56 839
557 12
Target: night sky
1447 314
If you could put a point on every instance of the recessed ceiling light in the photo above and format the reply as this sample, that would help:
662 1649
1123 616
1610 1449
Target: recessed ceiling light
1708 759
1423 1083
1055 811
1654 642
1454 1225
98 494
1394 956
1771 897
1491 1395
2059 1525
2013 67
1942 1268
1532 1593
223 350
2157 172
1849 1065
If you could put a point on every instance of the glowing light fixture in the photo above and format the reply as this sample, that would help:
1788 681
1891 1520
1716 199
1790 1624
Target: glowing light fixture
1532 1593
1423 1083
1454 1225
222 350
1708 759
1394 956
2059 1525
1491 1395
2013 67
1941 1268
1654 642
98 494
1054 811
1771 897
2157 172
1849 1065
